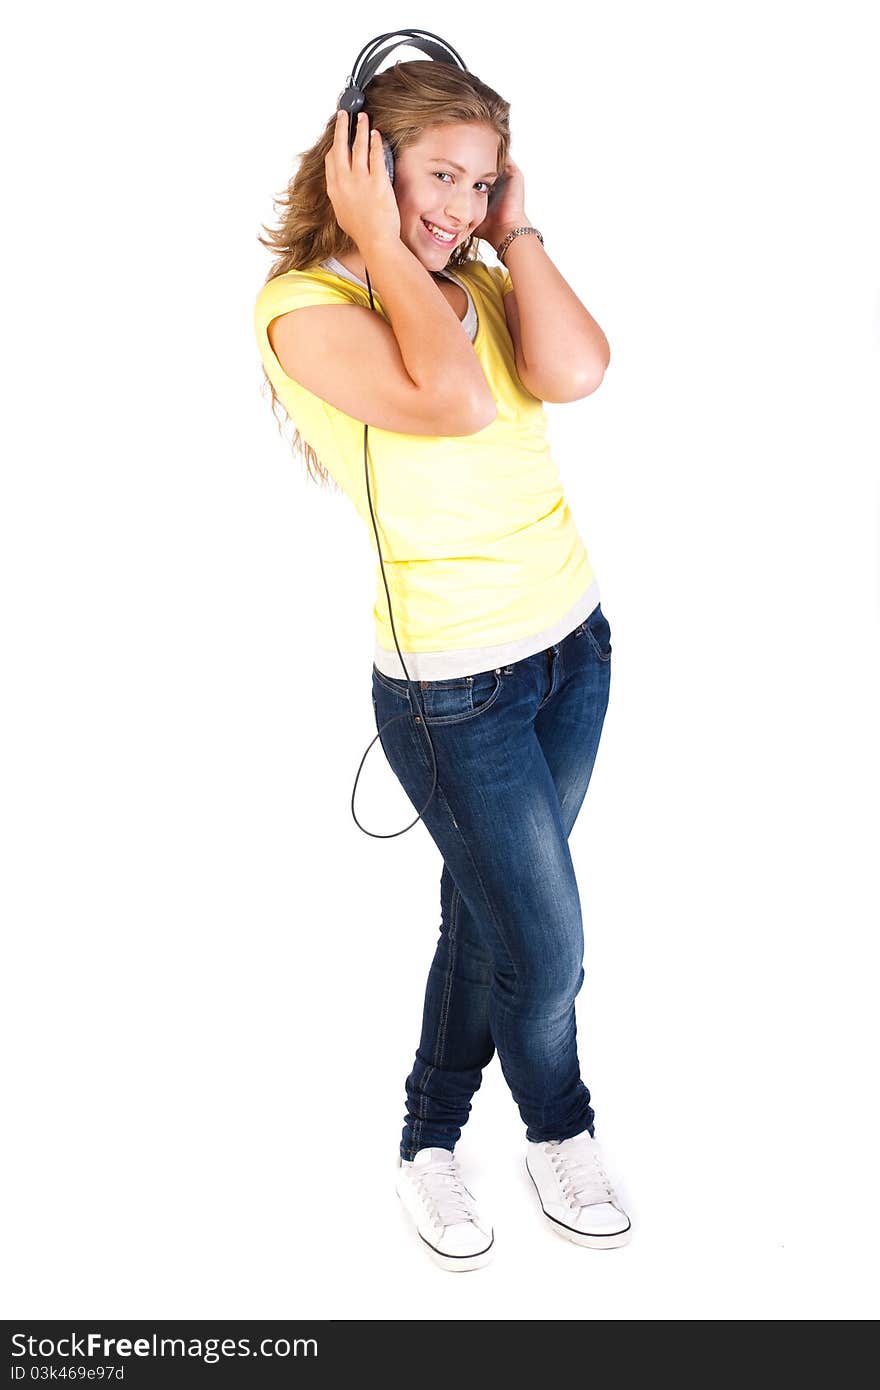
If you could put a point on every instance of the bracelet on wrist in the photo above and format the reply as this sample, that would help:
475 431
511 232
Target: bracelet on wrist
517 231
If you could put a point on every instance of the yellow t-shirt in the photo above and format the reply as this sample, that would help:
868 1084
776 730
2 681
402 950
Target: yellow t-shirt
482 556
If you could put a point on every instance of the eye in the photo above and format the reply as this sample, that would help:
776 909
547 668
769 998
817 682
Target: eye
440 173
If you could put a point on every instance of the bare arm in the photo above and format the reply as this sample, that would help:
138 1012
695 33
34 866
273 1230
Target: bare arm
437 354
561 351
434 372
348 355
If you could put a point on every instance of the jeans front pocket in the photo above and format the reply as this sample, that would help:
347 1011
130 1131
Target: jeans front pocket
598 631
448 701
458 698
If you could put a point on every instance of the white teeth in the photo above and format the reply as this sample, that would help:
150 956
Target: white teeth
438 231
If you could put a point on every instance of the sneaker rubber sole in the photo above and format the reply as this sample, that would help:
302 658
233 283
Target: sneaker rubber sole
456 1264
610 1240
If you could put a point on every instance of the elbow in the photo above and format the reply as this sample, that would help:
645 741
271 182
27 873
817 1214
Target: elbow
591 384
460 413
483 412
560 390
471 416
591 380
563 393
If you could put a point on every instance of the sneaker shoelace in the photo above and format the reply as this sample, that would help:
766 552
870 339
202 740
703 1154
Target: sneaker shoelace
581 1175
448 1200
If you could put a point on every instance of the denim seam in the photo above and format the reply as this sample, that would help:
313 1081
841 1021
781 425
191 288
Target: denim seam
394 689
440 1043
441 796
398 686
558 667
452 949
603 656
444 719
420 1122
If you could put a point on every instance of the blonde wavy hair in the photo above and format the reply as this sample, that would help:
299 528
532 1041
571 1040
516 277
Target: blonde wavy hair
402 101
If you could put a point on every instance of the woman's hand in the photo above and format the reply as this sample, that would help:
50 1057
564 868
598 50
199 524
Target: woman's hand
506 209
358 185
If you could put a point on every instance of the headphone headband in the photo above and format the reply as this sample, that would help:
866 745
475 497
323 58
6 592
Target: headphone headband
368 61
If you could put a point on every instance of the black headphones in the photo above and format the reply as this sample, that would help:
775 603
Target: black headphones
351 99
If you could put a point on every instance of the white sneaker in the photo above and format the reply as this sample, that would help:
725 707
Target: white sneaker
576 1196
444 1211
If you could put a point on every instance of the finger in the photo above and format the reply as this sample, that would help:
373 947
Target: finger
333 149
353 148
346 143
340 135
377 160
351 141
361 140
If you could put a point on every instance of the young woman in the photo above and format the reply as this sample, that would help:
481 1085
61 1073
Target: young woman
494 599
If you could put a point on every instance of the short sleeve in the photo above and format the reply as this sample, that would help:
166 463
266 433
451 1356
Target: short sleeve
296 289
501 275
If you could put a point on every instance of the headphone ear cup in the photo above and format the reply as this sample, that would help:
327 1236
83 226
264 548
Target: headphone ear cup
389 158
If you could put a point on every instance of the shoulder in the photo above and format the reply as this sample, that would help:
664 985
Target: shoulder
491 279
298 289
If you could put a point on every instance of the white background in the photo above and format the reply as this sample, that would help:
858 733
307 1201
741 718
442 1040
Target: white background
213 978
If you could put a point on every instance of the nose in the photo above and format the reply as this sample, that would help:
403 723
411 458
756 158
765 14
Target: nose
458 209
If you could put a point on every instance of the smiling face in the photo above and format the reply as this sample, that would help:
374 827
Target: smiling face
444 177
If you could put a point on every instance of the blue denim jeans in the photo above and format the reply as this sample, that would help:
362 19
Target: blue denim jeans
515 749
